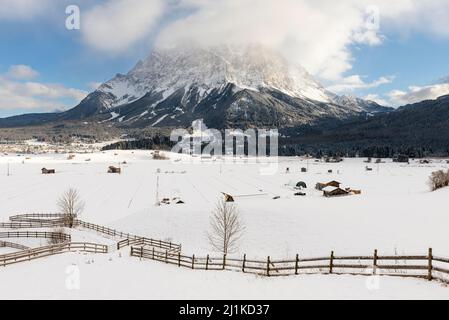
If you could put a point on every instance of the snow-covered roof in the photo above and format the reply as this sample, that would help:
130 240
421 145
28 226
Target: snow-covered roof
330 189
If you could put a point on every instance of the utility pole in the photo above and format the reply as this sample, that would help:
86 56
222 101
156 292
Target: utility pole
157 191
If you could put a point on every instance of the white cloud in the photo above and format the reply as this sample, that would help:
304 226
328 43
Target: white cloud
94 85
318 34
16 94
378 99
417 94
355 82
22 72
22 9
117 25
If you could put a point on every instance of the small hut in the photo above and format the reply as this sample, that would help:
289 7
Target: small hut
303 170
48 171
402 159
333 183
320 186
113 169
228 197
330 191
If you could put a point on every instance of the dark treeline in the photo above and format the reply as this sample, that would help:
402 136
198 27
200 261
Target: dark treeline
318 150
381 151
153 143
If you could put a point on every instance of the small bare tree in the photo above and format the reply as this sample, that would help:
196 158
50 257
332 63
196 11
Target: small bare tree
71 206
226 227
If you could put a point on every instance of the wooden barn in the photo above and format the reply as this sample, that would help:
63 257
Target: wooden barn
330 191
113 169
228 197
48 171
320 186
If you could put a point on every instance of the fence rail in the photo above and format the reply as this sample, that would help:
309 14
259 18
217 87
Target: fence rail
164 245
36 234
424 266
13 245
37 217
41 252
36 224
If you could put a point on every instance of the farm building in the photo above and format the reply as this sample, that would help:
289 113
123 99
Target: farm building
48 171
330 191
113 169
401 159
320 186
228 197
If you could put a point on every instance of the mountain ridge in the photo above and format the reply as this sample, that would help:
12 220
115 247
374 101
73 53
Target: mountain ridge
226 86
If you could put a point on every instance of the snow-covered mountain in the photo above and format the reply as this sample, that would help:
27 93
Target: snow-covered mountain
225 86
252 67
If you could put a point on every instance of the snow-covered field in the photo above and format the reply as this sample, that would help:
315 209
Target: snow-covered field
395 213
77 276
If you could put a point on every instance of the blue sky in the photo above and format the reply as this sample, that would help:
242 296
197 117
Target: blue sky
45 67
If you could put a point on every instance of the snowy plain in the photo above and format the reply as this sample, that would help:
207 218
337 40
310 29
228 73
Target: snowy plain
120 277
396 214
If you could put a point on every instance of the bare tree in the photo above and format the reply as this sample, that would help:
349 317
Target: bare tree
226 227
71 206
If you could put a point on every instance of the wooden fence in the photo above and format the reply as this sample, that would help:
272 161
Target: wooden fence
420 266
41 252
26 225
426 266
163 245
51 220
58 236
37 217
13 245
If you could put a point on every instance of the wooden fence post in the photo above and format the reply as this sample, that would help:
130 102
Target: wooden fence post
331 263
244 262
153 252
166 256
193 262
297 264
224 261
375 262
141 253
268 266
207 262
179 259
429 268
